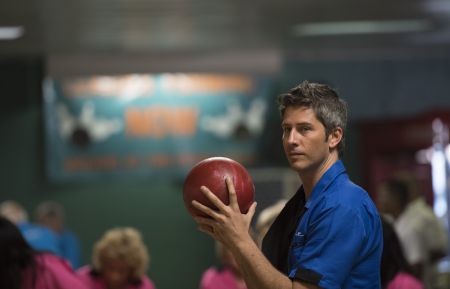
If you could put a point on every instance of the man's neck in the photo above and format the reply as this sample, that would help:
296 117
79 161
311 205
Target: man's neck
311 178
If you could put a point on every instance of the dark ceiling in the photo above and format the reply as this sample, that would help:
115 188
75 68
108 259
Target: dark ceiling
197 26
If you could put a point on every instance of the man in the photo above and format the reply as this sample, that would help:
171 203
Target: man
329 234
422 235
51 215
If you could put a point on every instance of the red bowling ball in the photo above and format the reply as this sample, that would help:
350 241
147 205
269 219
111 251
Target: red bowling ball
211 173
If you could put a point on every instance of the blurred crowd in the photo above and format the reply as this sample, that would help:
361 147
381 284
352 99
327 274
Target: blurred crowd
46 254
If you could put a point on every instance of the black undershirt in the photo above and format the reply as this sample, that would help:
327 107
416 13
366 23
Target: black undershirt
278 239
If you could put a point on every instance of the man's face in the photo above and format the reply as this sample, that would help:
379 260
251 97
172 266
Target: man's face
304 141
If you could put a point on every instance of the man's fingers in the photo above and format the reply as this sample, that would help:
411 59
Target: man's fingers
204 209
232 193
213 199
206 229
205 221
251 210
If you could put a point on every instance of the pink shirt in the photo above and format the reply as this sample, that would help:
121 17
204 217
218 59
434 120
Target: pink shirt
52 272
93 282
404 281
223 279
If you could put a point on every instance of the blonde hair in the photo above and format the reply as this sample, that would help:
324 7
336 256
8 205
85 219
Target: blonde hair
125 244
269 214
13 211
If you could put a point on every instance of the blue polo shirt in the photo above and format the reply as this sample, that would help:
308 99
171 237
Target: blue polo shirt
40 238
338 241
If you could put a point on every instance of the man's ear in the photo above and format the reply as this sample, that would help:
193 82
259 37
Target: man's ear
335 137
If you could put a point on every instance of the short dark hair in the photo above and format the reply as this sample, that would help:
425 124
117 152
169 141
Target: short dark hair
328 107
16 255
393 259
398 190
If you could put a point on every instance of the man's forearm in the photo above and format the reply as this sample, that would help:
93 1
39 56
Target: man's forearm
257 271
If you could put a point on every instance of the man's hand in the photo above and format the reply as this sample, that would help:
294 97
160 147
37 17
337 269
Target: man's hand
226 224
229 226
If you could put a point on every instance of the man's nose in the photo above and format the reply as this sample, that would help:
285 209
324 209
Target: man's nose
293 137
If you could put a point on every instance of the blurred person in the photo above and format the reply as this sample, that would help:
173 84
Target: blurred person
51 215
421 234
266 219
39 237
119 261
396 273
437 237
227 277
329 234
22 267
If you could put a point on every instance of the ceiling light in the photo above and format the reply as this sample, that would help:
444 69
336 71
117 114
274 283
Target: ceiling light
360 27
11 32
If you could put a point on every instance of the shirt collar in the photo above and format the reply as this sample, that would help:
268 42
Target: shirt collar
336 169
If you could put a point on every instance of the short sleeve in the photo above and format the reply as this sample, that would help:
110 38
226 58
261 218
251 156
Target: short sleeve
332 244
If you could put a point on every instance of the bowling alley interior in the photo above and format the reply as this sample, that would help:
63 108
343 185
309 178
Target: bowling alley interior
107 107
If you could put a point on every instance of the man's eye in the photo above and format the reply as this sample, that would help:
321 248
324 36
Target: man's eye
304 129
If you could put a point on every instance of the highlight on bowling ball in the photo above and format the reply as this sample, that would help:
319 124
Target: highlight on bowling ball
211 172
